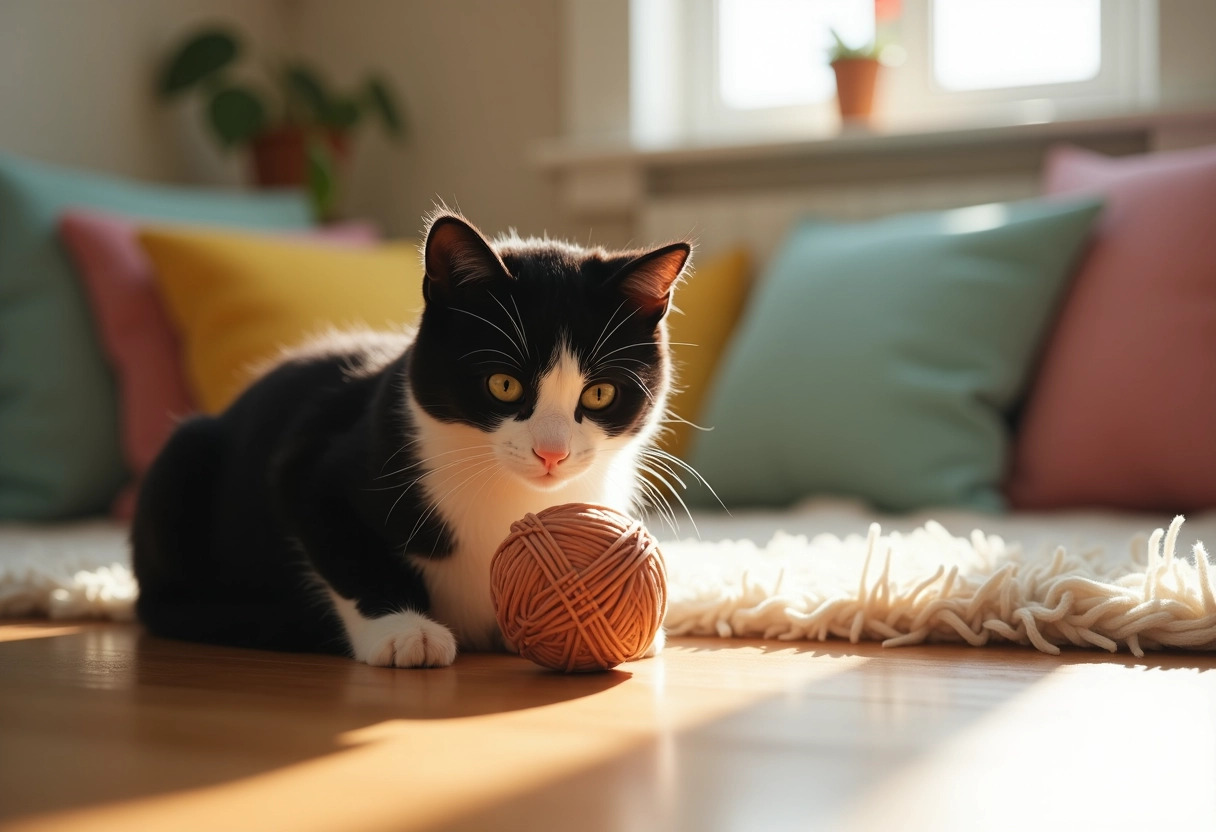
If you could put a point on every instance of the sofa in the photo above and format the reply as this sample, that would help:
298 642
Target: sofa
993 385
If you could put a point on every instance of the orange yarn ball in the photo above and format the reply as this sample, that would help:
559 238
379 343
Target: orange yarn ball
579 587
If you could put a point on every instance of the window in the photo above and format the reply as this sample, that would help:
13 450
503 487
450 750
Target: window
760 66
770 52
1041 42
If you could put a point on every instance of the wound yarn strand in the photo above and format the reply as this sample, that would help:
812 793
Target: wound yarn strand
579 587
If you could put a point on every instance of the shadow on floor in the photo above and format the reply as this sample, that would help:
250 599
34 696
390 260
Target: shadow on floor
123 716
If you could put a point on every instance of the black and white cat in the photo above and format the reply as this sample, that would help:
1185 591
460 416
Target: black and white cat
351 499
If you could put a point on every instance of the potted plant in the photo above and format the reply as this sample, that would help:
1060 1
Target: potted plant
297 127
856 71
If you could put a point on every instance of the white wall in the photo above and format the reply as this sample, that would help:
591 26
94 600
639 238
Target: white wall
76 82
1187 31
481 81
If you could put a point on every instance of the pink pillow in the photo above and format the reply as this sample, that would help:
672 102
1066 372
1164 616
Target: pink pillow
135 331
1123 411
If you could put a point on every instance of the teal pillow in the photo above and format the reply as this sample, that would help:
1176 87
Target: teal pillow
880 360
59 445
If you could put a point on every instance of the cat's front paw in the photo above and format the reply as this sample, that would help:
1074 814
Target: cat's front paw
407 639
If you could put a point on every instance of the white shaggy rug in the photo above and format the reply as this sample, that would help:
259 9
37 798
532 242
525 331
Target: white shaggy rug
924 584
70 570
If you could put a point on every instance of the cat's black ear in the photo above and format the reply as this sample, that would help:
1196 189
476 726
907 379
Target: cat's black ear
457 256
648 280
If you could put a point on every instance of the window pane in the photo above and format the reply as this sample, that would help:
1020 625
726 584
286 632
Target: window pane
992 44
773 53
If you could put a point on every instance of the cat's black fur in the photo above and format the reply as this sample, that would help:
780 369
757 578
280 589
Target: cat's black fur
302 482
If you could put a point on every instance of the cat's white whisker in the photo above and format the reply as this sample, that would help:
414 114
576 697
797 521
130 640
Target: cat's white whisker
642 385
424 475
668 469
675 460
479 447
445 493
408 486
655 473
672 417
641 361
595 349
441 492
393 455
641 344
522 331
645 494
516 325
659 502
488 322
483 446
510 358
487 479
624 321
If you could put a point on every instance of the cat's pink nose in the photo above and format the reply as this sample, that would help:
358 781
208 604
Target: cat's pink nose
550 456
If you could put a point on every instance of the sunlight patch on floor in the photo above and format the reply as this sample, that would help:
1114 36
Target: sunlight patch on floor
22 632
1090 746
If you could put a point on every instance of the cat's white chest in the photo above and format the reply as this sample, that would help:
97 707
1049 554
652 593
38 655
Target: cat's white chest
459 583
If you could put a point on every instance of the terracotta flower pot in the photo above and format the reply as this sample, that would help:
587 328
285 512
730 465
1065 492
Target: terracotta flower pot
280 155
855 82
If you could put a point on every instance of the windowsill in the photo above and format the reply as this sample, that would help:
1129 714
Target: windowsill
572 153
615 179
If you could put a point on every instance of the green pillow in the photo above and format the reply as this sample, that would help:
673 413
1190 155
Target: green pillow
880 360
59 445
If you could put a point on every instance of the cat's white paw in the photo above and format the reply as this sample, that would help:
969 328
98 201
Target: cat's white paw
656 646
423 646
405 639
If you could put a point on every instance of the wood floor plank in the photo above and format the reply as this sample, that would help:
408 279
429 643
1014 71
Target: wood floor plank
103 728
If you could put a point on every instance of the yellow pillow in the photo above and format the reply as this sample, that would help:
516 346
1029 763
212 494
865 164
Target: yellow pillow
711 302
238 299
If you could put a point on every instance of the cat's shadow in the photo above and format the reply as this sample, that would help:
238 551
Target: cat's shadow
371 693
461 690
184 716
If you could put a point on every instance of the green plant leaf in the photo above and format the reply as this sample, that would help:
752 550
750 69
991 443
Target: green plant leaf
306 89
203 54
322 179
384 103
344 113
841 51
237 114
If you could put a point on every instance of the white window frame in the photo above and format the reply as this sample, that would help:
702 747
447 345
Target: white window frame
910 96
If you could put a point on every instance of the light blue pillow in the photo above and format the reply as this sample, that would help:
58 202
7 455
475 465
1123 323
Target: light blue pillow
59 434
880 360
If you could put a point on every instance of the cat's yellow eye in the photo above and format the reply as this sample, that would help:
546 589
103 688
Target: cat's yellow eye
598 396
505 388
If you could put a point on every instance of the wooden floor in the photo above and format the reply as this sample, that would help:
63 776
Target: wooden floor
104 728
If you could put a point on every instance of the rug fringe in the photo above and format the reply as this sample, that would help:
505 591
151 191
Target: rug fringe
897 589
977 591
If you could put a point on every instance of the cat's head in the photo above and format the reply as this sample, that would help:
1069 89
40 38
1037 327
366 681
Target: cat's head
547 357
